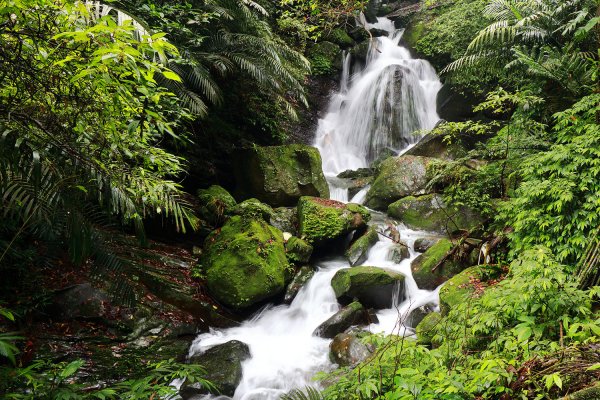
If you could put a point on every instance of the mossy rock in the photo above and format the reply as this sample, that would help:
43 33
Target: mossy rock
298 250
422 265
341 38
322 221
223 366
398 177
591 393
253 208
325 58
372 286
434 145
462 286
423 244
280 175
359 250
426 328
285 219
398 253
215 204
245 262
301 278
353 314
348 350
361 51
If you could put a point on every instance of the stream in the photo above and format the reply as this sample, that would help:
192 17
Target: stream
377 110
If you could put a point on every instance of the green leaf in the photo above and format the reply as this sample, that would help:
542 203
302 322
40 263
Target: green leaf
171 75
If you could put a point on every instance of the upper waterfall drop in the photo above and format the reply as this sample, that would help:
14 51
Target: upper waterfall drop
379 108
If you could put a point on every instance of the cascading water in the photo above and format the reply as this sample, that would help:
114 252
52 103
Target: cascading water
377 109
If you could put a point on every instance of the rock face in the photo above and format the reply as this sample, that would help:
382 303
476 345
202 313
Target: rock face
430 213
245 262
322 221
280 175
223 365
347 350
300 279
215 204
373 287
81 301
358 251
298 251
423 264
398 177
353 314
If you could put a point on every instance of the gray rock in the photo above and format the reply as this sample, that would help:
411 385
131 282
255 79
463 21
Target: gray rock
423 244
372 286
82 301
359 250
398 253
353 314
223 365
303 275
285 219
347 350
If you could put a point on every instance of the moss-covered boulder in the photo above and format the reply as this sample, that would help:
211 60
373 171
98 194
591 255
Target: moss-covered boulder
421 245
359 250
298 251
426 328
398 252
280 175
398 177
591 393
353 314
301 278
253 208
430 213
341 38
244 262
223 366
422 266
321 221
325 58
373 287
285 219
215 204
347 350
459 288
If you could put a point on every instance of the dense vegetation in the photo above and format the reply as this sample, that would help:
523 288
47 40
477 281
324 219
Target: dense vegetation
103 109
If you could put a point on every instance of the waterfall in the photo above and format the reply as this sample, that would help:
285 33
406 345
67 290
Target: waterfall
378 108
383 107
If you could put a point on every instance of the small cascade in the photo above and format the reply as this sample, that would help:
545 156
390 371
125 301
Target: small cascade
379 108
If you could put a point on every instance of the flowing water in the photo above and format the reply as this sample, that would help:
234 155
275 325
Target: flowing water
377 109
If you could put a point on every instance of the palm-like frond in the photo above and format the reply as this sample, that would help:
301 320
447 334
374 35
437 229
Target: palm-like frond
308 393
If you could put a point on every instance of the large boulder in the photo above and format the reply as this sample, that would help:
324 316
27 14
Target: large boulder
430 213
347 350
298 251
223 366
373 287
280 175
253 208
285 219
422 266
398 252
359 250
353 314
468 283
322 221
215 204
301 278
423 244
245 262
398 177
434 145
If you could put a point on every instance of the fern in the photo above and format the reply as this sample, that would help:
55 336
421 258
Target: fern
308 393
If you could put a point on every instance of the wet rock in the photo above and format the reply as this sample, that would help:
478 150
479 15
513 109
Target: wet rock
361 51
347 350
285 219
423 244
303 275
453 105
358 184
340 37
372 286
298 251
398 253
426 328
223 365
417 315
353 314
215 204
434 145
424 263
82 301
253 208
398 177
280 175
591 393
359 173
378 32
358 251
430 213
322 221
325 58
245 262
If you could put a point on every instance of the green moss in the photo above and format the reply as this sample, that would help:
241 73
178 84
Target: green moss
297 250
350 282
357 253
215 204
422 266
245 262
253 208
324 220
341 38
426 328
592 393
459 288
323 58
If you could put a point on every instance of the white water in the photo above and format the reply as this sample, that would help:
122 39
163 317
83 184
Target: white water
377 108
